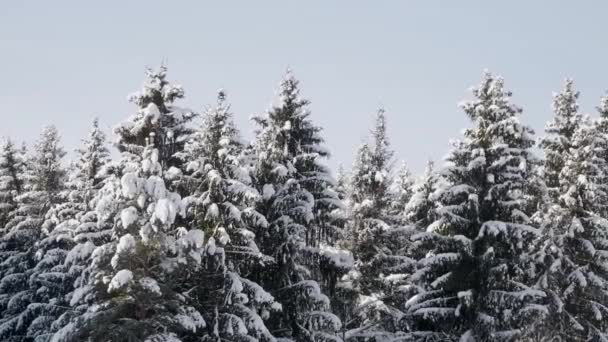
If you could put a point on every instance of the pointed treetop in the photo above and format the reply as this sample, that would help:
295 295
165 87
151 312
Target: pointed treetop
221 95
156 89
565 102
603 107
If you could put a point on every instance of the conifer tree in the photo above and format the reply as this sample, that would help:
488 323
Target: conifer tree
420 209
378 239
575 241
43 181
475 273
12 167
157 119
558 135
401 191
52 280
222 205
138 273
295 189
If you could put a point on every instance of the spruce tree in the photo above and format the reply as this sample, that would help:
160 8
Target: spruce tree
138 274
295 189
558 135
420 209
575 241
221 203
43 182
379 242
157 118
52 280
402 191
100 231
12 167
474 274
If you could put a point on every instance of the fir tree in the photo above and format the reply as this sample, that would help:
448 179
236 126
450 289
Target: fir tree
558 135
44 179
157 119
402 192
420 209
295 189
12 167
221 204
137 274
575 242
51 280
475 273
379 243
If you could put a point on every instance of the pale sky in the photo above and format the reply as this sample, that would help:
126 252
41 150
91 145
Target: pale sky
65 62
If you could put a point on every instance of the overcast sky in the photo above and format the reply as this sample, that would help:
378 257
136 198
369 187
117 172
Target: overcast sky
64 62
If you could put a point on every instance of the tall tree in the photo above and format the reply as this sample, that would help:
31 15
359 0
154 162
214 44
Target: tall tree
52 280
139 273
44 179
12 167
474 275
222 205
558 135
295 192
420 209
575 243
156 119
402 191
377 239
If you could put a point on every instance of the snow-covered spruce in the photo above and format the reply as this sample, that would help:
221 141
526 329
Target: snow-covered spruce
12 168
372 292
156 118
574 252
474 275
137 287
43 181
558 135
221 203
57 252
296 196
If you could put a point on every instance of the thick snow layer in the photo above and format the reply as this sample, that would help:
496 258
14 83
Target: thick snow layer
338 257
120 280
195 238
125 245
165 211
150 285
131 185
267 191
155 187
128 216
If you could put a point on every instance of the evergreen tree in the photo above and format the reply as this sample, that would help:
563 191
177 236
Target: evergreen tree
558 135
98 234
342 182
475 273
43 181
222 205
379 242
402 191
157 119
575 241
296 192
12 167
51 280
138 274
420 209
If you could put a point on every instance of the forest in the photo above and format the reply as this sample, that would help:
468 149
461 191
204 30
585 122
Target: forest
173 228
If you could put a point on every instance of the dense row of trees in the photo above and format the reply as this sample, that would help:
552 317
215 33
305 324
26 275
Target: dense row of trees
193 234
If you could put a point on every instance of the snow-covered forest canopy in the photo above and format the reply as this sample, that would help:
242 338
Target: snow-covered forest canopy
173 228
